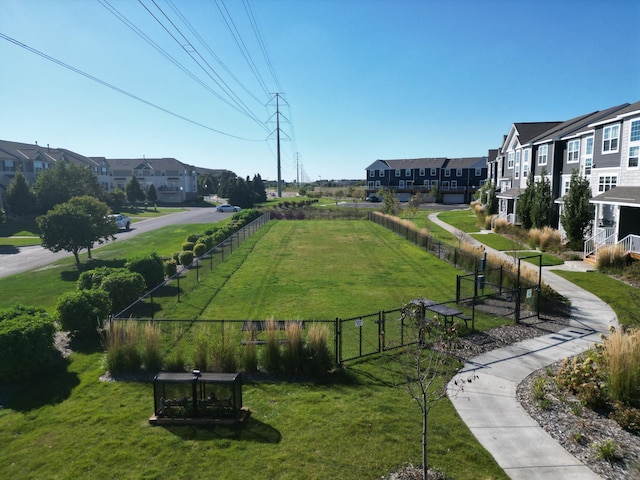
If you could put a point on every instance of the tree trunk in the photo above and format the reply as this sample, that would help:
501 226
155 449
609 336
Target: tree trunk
425 414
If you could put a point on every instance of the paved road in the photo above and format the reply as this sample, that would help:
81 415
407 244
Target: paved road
21 259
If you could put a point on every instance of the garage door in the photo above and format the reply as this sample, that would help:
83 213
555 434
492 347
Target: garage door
453 198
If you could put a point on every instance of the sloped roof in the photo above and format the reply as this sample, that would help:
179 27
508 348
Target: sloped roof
470 162
146 163
615 115
27 151
415 163
510 193
575 124
529 130
625 196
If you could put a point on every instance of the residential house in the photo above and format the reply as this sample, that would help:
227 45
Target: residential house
456 179
602 145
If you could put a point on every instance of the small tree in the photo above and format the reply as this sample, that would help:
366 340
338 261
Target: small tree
134 190
19 196
525 202
542 209
116 199
103 229
428 365
152 193
390 203
577 213
82 312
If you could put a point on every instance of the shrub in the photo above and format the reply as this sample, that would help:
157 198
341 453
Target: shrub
208 232
26 342
170 268
199 249
627 417
175 362
193 237
608 450
250 358
152 355
150 267
545 239
93 278
585 376
175 256
186 258
500 225
188 246
121 343
123 289
83 311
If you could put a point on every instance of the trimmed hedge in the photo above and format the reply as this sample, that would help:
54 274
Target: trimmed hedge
26 342
151 267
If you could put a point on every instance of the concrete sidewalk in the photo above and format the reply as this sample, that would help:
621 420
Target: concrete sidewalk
489 405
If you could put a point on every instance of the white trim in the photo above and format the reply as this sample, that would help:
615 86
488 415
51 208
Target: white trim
617 138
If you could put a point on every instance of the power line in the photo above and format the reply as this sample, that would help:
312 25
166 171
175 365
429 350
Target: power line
261 42
240 105
119 90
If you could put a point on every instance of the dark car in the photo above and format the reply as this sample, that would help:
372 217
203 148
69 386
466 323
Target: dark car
373 198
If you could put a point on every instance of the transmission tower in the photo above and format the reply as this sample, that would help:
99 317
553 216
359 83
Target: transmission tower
278 97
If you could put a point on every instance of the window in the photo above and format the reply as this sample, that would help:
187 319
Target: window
633 157
372 173
381 173
525 164
517 164
607 183
458 172
434 183
588 163
635 131
397 172
478 172
377 183
573 151
407 172
421 172
369 184
610 138
401 184
447 172
542 154
433 172
409 183
510 160
9 166
445 185
454 184
426 183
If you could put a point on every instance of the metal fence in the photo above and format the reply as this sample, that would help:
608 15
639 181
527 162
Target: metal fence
189 275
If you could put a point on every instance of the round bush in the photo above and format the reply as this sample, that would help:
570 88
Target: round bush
186 257
26 342
187 246
170 268
150 267
83 311
123 289
193 237
199 249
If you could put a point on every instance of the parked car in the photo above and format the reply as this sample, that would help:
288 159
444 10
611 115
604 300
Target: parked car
373 198
225 207
123 222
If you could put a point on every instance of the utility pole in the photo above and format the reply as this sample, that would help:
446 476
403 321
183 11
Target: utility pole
297 169
277 96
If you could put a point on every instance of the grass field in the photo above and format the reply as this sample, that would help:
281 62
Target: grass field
358 424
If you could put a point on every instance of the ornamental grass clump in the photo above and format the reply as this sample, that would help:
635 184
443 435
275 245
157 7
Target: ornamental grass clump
611 258
293 350
318 354
201 348
545 238
152 355
622 356
121 343
271 358
225 355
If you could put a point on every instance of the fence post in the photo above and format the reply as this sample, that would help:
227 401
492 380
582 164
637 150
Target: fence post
151 305
380 331
178 276
338 342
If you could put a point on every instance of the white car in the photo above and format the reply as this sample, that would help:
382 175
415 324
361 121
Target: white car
225 207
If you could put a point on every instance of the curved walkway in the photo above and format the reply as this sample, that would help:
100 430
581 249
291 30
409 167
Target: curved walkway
489 405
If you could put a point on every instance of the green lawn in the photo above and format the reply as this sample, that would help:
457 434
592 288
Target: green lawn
464 220
360 424
498 242
623 298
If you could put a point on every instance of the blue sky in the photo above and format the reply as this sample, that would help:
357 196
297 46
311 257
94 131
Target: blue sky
362 79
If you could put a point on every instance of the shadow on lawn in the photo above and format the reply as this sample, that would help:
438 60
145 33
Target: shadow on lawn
49 388
252 431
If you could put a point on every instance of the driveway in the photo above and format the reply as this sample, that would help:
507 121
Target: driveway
21 259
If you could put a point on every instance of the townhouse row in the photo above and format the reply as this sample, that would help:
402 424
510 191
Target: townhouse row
174 181
603 146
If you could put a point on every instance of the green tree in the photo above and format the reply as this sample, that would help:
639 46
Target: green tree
152 193
492 200
543 209
577 213
72 226
116 199
390 203
64 181
225 181
3 216
134 190
525 203
258 188
20 198
239 193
